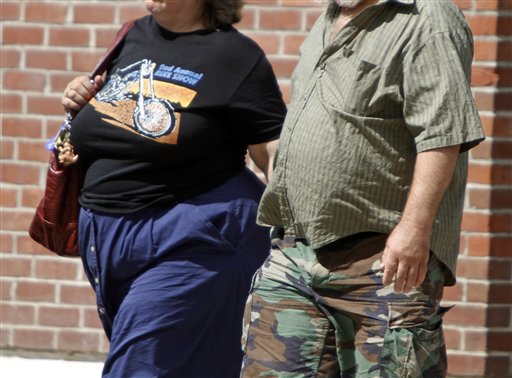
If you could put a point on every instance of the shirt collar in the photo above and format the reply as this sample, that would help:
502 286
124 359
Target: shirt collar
333 8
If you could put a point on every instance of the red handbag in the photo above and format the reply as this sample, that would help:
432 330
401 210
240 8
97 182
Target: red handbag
55 223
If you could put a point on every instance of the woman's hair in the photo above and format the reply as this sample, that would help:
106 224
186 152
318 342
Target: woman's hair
221 14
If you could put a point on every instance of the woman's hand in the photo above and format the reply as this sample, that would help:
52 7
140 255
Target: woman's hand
79 92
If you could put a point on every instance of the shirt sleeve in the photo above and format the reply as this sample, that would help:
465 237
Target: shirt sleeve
256 110
439 108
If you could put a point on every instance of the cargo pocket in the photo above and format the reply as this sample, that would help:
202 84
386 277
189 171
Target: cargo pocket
414 344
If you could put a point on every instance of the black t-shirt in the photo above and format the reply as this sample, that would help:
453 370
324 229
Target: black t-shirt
206 96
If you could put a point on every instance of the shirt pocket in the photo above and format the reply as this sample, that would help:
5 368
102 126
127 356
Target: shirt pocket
349 83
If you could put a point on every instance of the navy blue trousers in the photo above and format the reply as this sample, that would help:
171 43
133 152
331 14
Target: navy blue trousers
171 283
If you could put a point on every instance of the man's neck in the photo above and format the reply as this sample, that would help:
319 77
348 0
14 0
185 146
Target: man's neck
345 14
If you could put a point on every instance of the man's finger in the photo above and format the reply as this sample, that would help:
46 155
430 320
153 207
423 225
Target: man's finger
401 277
390 266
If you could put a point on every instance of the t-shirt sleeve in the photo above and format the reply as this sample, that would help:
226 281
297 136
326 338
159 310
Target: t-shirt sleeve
439 108
256 110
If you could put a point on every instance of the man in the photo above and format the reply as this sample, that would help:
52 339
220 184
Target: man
367 196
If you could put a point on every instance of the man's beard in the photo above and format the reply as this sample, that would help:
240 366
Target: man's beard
347 3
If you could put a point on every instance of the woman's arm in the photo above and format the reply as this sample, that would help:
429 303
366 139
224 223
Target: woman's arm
263 156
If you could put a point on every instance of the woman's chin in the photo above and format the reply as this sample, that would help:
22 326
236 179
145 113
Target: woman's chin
155 6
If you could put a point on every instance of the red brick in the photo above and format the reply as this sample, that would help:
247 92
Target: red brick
493 4
16 173
467 365
33 151
463 315
74 294
475 340
6 290
453 293
499 316
73 37
26 246
483 25
269 42
10 103
85 62
283 67
248 20
489 149
22 35
495 198
53 12
59 269
453 338
6 243
15 267
497 126
129 12
16 221
9 58
490 173
30 197
292 44
17 314
500 293
88 14
23 81
497 246
5 338
9 11
35 291
280 19
91 318
311 18
7 149
104 37
33 339
499 366
500 341
59 317
45 105
46 59
77 341
16 126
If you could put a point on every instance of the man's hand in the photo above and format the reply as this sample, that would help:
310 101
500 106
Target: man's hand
408 247
406 256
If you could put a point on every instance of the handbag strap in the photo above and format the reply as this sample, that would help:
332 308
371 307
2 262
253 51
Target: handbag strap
107 58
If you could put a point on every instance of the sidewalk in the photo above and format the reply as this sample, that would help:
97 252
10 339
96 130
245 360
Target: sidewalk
17 367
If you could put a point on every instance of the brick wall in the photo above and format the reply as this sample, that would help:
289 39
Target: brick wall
46 305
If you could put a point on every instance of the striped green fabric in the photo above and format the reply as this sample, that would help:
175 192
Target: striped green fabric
394 82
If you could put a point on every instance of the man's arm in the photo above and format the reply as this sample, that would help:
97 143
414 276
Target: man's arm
407 249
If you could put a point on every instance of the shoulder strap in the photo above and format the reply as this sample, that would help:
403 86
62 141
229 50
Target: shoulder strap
107 58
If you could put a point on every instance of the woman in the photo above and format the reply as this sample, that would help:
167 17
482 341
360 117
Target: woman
167 228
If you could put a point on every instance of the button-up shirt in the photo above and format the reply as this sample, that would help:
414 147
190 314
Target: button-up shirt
394 82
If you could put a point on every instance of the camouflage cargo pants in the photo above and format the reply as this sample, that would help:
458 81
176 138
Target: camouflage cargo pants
327 314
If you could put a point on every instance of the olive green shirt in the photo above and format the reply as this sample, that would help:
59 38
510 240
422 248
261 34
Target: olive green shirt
394 82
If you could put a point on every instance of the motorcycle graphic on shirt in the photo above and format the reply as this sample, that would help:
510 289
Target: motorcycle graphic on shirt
152 116
134 91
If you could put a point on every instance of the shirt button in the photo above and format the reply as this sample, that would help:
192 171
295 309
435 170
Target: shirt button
101 310
93 249
96 280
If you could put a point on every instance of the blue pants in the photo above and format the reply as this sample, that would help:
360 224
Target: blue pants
171 283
